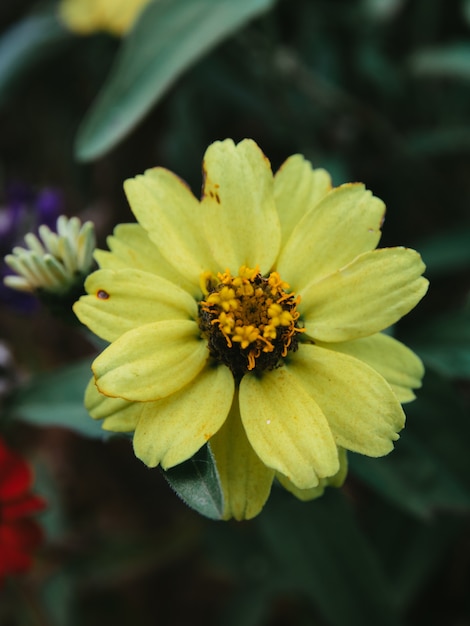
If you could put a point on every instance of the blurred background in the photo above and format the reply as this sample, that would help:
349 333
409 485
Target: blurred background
376 91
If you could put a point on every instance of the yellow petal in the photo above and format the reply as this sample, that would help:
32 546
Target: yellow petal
82 17
131 248
363 412
287 428
120 15
88 16
399 365
366 296
345 223
125 299
242 225
151 362
118 415
164 205
172 430
334 481
246 481
302 494
297 189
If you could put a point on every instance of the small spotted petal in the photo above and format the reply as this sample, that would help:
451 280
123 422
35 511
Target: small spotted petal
125 299
287 428
246 481
363 412
151 362
172 430
370 294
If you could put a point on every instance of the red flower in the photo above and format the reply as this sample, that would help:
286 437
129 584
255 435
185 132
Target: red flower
19 534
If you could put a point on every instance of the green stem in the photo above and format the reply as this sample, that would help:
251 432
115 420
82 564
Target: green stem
26 603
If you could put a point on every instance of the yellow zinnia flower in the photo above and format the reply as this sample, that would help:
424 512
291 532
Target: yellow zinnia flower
89 16
252 319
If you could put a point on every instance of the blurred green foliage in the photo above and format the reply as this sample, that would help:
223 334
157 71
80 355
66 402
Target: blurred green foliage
373 90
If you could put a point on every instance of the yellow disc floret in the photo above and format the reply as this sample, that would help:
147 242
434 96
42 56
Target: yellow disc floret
250 321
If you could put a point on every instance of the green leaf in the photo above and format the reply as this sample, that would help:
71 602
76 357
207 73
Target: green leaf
428 470
249 605
439 419
448 251
124 555
466 10
410 550
444 343
57 597
197 483
56 399
169 36
25 44
323 553
440 141
381 10
452 60
413 479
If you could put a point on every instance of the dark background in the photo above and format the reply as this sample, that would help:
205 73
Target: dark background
374 91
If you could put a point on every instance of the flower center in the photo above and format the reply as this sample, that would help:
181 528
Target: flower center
250 321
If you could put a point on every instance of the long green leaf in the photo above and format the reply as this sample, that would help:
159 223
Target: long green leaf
452 61
413 479
169 37
322 552
410 550
25 44
56 399
448 251
444 343
428 471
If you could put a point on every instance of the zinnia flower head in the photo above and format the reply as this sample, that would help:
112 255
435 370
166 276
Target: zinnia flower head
20 535
89 16
252 319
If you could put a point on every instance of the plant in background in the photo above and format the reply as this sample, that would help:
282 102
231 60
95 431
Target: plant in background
20 534
252 319
161 39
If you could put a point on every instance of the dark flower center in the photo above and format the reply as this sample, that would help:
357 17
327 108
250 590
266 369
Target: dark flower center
250 321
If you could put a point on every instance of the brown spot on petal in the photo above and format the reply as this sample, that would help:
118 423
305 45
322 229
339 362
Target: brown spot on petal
101 294
204 179
210 190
